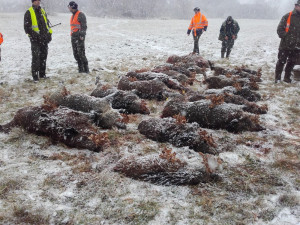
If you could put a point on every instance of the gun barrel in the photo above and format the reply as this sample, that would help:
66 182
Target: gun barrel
55 25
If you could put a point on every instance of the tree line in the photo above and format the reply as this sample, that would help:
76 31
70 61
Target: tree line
164 9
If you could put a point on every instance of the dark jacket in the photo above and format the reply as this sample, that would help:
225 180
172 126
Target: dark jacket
229 29
83 25
44 36
290 40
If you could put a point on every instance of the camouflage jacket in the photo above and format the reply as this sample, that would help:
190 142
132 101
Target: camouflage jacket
289 40
229 30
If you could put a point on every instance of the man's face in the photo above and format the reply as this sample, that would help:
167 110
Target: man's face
70 9
297 7
37 3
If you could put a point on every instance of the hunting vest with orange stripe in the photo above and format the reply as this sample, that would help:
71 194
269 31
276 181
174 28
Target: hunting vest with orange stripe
288 22
74 23
199 21
1 38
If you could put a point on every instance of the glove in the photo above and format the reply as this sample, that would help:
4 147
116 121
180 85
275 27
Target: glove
205 28
49 38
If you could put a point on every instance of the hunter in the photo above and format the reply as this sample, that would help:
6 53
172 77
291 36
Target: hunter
78 31
36 26
198 24
289 49
1 41
228 34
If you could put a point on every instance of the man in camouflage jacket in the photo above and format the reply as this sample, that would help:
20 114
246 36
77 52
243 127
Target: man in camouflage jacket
228 33
289 49
78 33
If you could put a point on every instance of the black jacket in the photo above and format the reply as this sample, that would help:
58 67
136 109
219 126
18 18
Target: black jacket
290 40
44 36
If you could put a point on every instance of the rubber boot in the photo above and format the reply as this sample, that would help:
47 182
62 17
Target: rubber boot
227 54
35 76
222 54
43 75
287 78
86 68
80 67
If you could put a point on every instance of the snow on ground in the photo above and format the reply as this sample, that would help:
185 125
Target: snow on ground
41 183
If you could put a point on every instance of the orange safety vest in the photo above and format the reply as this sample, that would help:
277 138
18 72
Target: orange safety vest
1 38
199 21
74 23
288 22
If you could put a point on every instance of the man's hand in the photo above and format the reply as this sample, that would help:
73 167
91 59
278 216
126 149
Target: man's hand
226 38
81 38
233 37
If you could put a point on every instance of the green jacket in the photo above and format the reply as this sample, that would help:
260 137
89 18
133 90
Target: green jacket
229 30
289 40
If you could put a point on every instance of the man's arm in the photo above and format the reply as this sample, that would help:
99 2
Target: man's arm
281 26
28 23
83 23
237 28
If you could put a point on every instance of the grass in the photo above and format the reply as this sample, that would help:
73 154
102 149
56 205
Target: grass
7 186
134 212
251 179
289 200
23 216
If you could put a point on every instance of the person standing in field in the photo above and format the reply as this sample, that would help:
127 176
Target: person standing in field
289 49
228 34
198 24
78 32
1 41
36 26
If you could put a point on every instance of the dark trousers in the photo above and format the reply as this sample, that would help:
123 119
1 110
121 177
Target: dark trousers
39 57
79 52
227 45
289 58
196 43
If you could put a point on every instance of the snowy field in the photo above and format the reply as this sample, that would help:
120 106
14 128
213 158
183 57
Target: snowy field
42 183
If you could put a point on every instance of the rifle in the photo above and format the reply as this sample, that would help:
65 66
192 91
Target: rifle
54 25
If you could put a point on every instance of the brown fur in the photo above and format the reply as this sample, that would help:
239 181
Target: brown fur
72 128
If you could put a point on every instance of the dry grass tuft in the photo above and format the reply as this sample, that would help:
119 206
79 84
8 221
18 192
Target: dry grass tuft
289 200
23 216
288 165
8 185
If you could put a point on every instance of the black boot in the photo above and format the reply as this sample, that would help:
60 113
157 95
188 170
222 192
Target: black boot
35 76
80 67
43 75
287 78
227 54
222 54
86 68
